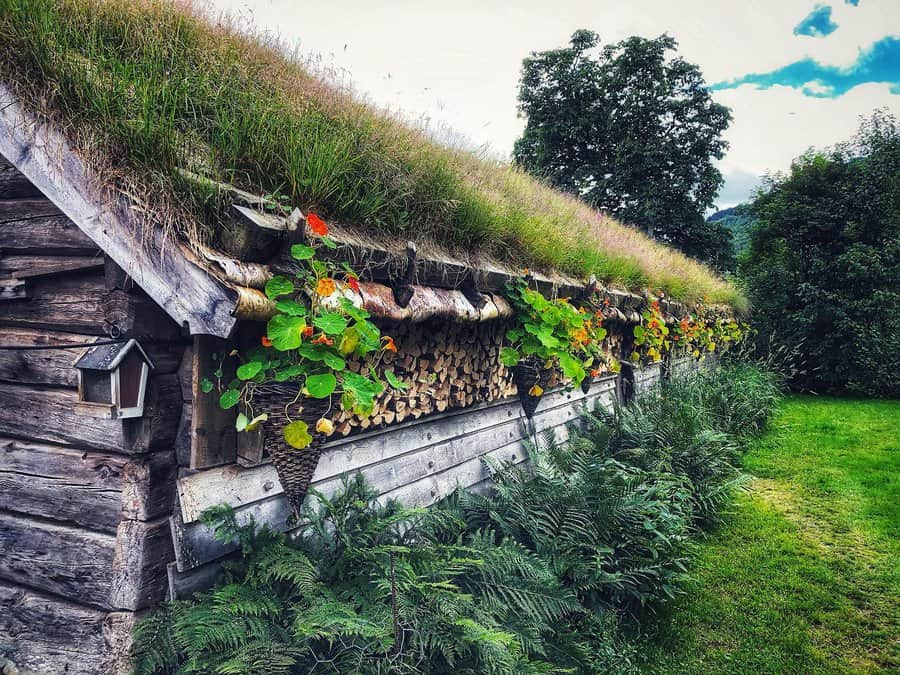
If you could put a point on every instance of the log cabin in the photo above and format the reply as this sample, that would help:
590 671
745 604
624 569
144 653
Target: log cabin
111 446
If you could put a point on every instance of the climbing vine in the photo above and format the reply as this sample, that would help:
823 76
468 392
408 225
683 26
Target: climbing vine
317 326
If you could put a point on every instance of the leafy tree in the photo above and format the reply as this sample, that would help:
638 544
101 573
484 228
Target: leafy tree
739 221
823 269
630 129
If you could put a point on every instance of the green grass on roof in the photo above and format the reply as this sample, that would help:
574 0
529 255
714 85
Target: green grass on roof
148 86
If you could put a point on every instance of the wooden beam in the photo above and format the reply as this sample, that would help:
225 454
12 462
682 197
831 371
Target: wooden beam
20 209
66 561
213 439
46 634
32 266
55 235
142 553
13 185
166 270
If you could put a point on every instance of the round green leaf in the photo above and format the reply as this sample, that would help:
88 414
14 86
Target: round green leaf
249 370
331 323
284 331
509 357
229 398
321 386
291 307
206 385
279 285
394 381
302 252
334 361
296 434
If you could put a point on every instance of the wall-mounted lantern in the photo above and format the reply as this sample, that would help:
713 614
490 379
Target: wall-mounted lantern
112 380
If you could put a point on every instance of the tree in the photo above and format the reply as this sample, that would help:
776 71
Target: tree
630 128
823 268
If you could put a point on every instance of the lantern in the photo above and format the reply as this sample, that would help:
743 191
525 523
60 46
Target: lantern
112 380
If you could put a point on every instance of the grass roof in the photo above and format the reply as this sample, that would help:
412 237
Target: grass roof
147 86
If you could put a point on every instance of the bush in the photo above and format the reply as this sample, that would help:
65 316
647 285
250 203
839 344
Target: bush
531 578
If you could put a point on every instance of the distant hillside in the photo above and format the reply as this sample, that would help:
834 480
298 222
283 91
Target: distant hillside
739 221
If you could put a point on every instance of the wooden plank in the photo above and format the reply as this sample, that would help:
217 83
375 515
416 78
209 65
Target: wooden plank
13 185
45 634
213 440
31 266
142 553
195 546
166 270
84 488
148 486
49 415
69 562
56 366
45 236
21 209
73 304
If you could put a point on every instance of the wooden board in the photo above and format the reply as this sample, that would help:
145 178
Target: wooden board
213 440
66 561
404 471
142 553
73 304
20 209
13 185
45 236
48 415
46 634
166 270
31 266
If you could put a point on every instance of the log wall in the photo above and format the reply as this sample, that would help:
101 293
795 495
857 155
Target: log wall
85 503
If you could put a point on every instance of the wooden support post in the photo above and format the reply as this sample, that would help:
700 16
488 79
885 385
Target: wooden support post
403 287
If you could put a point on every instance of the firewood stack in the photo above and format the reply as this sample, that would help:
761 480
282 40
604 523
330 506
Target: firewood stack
446 365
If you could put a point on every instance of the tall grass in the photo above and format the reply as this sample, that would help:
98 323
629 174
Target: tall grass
146 86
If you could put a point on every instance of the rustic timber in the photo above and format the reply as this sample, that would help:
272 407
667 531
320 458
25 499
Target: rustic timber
213 439
252 236
54 235
66 561
13 185
19 209
138 574
46 634
31 266
47 415
64 484
166 270
14 289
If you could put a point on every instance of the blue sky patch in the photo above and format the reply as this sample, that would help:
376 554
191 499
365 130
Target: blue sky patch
879 63
817 23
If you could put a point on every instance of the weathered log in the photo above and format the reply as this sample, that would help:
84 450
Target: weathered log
20 209
48 635
213 439
13 185
31 266
252 236
49 415
65 561
142 553
45 236
14 289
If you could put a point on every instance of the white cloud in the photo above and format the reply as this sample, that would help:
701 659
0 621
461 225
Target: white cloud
458 63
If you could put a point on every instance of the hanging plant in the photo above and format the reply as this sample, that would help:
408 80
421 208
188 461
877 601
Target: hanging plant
651 336
301 367
550 334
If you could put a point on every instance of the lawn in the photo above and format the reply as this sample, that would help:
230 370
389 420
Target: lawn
804 575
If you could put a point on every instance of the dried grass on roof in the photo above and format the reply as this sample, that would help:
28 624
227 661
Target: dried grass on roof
147 86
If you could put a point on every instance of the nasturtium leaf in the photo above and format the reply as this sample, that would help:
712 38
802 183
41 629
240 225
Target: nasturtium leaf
321 386
369 337
291 307
571 367
352 310
278 286
349 341
289 373
241 422
206 385
547 339
296 434
329 242
302 252
284 331
249 370
394 381
509 357
514 334
639 332
334 361
256 421
229 398
331 323
312 352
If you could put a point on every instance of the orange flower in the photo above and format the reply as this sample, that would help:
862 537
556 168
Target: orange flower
389 345
266 342
595 372
526 272
323 340
598 314
317 225
353 283
655 305
306 332
325 287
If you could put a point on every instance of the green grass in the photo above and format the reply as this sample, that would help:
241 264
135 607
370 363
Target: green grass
147 86
804 576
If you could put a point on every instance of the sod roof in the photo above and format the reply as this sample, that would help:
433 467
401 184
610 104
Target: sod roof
146 88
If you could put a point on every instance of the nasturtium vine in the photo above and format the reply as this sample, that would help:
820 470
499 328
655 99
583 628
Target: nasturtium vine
651 336
556 333
316 328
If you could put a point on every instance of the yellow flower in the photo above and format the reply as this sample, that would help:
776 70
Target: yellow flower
536 390
325 426
325 287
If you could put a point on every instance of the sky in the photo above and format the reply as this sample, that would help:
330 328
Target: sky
796 73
